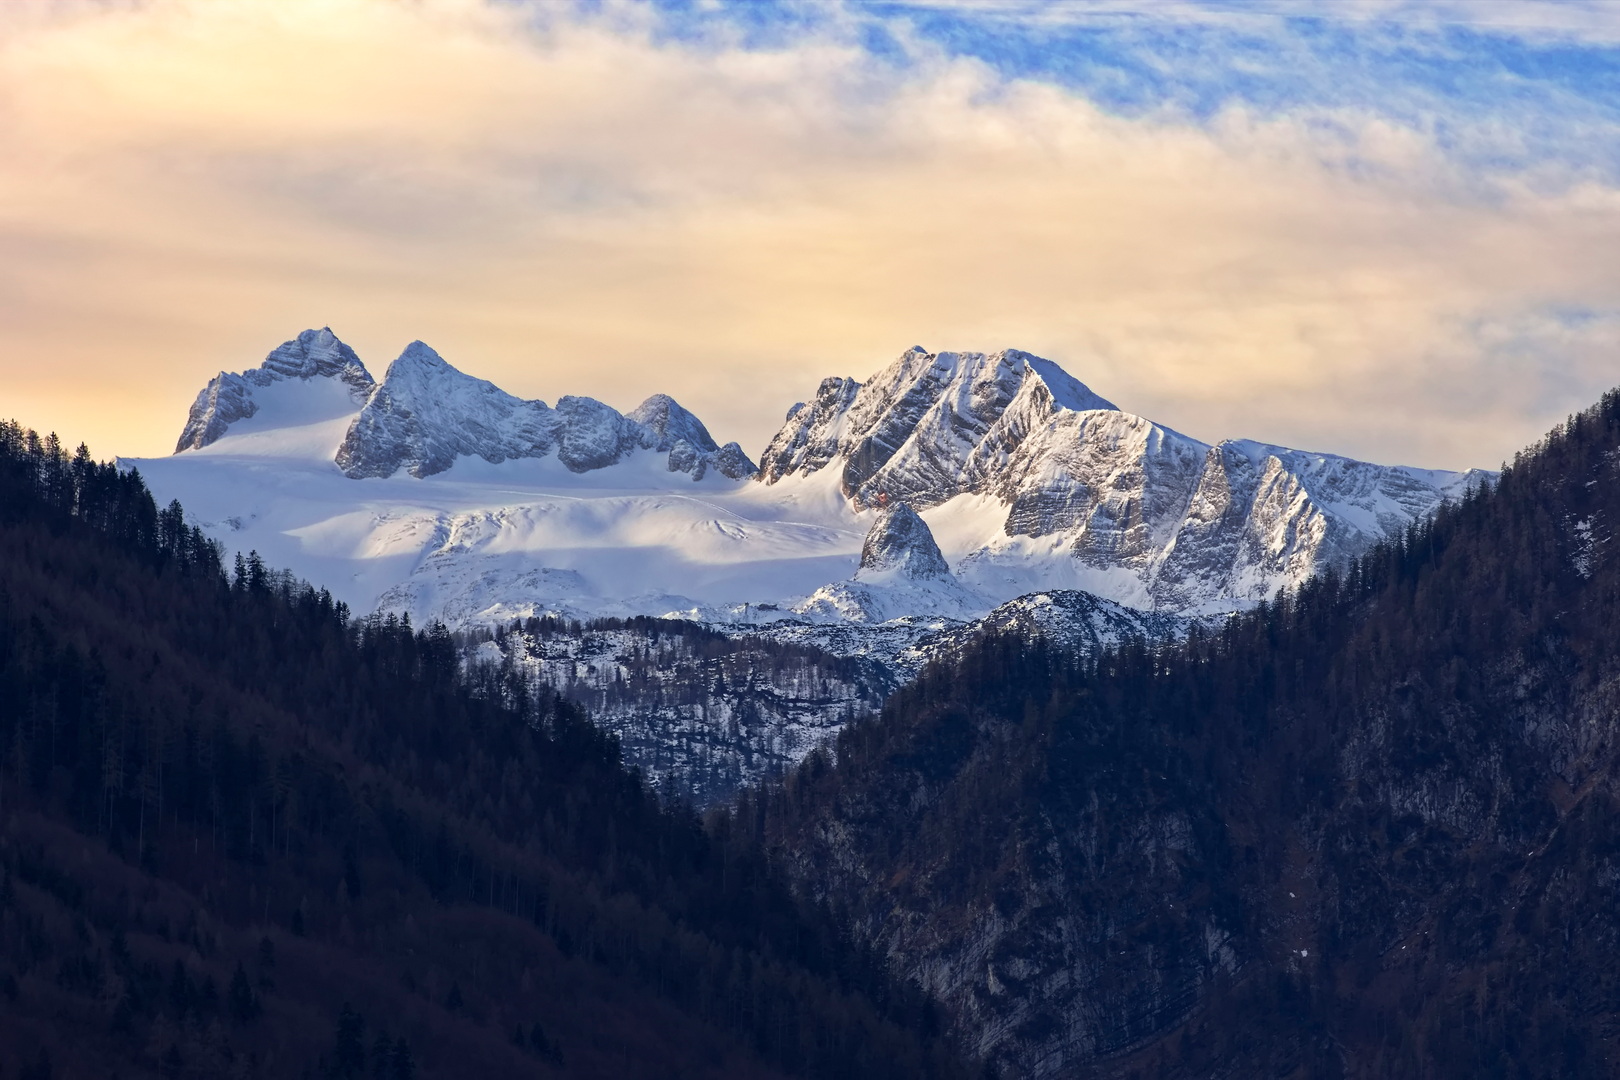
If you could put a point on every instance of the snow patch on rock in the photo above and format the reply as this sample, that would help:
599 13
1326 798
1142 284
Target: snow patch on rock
230 396
426 415
1066 490
901 545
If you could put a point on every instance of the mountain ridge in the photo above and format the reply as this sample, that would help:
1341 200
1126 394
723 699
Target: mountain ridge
478 506
1165 520
425 414
228 397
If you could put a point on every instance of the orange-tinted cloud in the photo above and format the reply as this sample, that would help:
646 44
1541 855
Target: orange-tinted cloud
574 207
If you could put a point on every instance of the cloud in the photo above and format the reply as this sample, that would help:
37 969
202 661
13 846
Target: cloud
1586 20
592 203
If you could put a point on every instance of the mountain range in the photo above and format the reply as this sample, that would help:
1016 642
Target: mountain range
437 494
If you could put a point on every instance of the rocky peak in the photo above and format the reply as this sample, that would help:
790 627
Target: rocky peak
228 397
900 544
1149 516
318 353
907 433
811 433
425 414
670 423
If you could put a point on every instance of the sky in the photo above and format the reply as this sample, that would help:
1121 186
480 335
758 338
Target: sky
1375 228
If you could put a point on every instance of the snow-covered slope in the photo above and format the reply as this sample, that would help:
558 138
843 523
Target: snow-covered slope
312 355
1031 481
437 493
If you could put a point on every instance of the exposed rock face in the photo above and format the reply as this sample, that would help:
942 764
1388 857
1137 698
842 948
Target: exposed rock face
425 414
1258 515
228 397
592 435
663 416
902 573
900 543
730 461
811 434
1195 527
909 432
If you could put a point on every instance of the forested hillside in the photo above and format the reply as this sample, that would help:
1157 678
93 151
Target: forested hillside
701 713
1369 830
243 833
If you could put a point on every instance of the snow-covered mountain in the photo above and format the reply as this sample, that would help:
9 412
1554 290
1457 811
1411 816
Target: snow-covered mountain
438 494
1031 481
425 415
888 523
947 484
230 397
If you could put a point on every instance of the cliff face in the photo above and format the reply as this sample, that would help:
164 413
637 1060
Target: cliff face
425 415
1367 831
1168 521
229 397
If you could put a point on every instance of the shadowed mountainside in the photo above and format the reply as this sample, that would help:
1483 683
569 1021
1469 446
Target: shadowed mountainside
1371 829
242 834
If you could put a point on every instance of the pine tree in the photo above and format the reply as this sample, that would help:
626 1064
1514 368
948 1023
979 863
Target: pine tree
242 1002
348 1060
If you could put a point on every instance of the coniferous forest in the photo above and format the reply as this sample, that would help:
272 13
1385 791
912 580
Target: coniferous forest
243 833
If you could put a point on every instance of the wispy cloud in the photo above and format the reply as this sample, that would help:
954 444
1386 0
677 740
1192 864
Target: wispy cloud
727 203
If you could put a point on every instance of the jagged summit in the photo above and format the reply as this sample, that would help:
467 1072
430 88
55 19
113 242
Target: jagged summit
900 544
690 446
1014 476
426 413
1118 504
908 432
665 418
229 397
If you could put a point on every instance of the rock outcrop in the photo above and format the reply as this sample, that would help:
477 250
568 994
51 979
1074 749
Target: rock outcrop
901 544
1192 526
228 397
426 414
